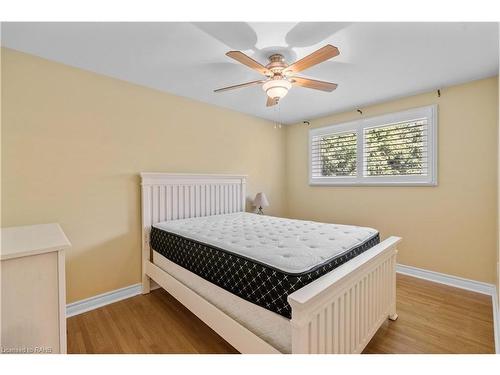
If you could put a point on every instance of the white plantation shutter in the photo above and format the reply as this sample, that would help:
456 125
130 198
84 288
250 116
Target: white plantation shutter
334 155
395 149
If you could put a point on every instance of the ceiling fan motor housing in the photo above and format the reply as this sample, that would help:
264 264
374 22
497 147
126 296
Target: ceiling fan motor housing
277 63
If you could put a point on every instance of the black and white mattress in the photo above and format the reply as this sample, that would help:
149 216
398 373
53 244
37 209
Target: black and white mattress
261 259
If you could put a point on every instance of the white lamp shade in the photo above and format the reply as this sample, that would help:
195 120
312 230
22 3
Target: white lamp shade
277 88
260 200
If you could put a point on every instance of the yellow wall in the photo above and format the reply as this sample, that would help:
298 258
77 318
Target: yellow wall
73 143
450 228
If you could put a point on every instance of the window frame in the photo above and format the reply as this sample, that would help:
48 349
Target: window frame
358 126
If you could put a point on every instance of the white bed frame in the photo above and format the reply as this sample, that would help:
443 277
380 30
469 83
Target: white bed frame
337 313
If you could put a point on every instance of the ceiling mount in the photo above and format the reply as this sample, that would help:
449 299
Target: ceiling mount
281 76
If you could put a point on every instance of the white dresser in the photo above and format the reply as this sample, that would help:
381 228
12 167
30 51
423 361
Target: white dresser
33 302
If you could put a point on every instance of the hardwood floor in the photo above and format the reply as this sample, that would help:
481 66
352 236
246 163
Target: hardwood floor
433 318
151 323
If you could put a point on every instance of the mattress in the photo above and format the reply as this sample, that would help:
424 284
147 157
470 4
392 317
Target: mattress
261 259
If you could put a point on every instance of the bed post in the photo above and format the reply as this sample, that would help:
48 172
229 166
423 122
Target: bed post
243 194
300 332
146 227
392 310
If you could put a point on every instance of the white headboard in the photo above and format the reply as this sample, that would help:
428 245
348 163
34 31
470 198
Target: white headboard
171 196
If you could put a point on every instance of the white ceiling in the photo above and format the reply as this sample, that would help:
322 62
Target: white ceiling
377 62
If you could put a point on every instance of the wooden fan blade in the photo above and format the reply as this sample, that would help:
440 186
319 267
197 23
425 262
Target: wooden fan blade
248 61
323 54
314 84
271 101
239 86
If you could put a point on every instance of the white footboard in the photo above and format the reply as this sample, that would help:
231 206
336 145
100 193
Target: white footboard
341 311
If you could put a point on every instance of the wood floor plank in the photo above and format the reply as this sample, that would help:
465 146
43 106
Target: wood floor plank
433 318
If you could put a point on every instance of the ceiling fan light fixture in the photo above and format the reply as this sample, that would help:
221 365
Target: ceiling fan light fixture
277 88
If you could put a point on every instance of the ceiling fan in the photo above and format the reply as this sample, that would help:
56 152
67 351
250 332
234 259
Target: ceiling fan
281 76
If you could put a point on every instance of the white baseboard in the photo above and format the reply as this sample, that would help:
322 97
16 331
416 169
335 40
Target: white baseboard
496 313
441 278
104 299
496 321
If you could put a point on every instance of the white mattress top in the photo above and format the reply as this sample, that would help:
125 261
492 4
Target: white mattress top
291 246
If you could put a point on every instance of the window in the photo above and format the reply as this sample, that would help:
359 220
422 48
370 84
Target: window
394 149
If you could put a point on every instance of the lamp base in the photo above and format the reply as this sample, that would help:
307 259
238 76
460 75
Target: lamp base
260 212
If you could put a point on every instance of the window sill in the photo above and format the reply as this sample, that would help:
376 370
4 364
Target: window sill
358 184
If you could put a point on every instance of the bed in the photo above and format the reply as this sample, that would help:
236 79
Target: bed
265 284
